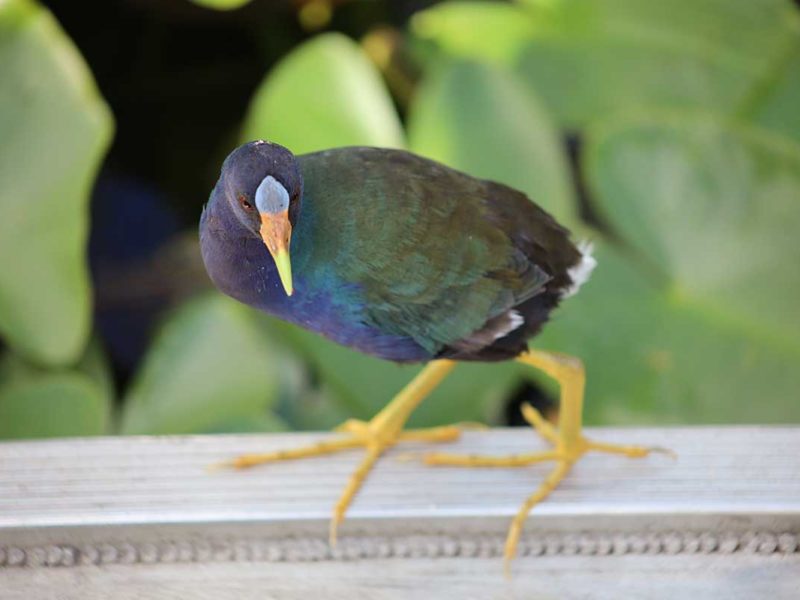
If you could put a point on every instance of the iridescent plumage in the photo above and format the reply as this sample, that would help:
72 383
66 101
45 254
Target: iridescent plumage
393 254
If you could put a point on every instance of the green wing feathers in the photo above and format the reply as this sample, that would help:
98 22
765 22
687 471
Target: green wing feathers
443 267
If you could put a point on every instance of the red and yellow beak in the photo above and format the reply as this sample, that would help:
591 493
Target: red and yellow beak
276 231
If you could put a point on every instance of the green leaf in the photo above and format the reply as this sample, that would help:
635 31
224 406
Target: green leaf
587 59
611 56
652 360
775 102
208 367
259 423
478 30
714 208
222 4
55 129
325 94
35 402
479 119
94 363
57 404
694 318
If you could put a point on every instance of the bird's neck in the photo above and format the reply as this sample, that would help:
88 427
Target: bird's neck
238 262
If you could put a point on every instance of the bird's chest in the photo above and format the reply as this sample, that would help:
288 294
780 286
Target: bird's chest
239 268
242 268
323 301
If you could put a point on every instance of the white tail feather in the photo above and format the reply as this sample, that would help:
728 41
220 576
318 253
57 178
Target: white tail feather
580 273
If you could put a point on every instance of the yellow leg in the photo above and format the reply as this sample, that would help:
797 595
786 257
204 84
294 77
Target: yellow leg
568 441
382 432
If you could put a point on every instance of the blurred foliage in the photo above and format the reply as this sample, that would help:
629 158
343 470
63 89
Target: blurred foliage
357 109
667 133
590 58
55 129
208 367
39 402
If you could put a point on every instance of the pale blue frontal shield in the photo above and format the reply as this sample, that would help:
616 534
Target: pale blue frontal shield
271 196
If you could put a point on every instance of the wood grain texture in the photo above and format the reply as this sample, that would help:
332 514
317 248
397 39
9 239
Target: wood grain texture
142 517
546 578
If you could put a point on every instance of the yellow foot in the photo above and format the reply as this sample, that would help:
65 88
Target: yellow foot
374 436
564 455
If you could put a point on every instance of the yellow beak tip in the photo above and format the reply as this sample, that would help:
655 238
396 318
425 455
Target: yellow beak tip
284 270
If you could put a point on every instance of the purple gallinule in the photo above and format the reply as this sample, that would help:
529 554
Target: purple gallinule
405 259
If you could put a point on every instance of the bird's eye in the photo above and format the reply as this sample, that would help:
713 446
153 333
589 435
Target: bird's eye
245 203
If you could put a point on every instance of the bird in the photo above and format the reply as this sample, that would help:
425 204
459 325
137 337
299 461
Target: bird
408 260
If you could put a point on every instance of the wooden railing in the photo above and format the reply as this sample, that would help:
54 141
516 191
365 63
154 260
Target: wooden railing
142 517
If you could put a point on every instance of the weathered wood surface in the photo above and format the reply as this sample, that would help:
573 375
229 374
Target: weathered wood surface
142 518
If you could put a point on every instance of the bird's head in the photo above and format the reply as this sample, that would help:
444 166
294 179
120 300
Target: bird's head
263 187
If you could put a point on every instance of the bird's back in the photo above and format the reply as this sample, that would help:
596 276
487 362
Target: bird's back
466 268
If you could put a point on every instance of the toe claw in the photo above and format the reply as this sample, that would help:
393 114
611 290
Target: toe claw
239 463
333 530
629 451
222 465
507 560
661 450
